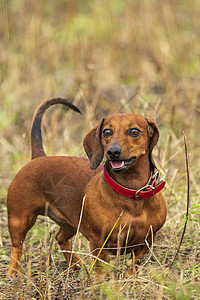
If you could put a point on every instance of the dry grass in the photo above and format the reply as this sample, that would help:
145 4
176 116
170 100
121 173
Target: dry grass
111 56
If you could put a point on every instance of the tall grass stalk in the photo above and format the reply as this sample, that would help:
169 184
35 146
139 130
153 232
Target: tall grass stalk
104 243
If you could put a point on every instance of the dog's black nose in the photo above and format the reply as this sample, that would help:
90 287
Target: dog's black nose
114 152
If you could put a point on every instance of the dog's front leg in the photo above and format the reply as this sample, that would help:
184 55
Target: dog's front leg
99 252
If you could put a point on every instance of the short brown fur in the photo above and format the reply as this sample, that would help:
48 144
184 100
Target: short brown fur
55 186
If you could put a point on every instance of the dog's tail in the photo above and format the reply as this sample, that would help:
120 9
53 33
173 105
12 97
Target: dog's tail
36 136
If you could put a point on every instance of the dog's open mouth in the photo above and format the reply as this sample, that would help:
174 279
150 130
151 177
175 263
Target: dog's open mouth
120 165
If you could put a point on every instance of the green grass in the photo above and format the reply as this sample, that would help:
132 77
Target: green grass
111 56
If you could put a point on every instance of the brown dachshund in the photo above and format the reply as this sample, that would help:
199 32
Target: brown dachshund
124 196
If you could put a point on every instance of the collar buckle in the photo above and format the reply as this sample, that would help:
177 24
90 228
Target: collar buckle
148 186
156 174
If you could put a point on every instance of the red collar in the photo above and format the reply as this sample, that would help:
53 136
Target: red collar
147 191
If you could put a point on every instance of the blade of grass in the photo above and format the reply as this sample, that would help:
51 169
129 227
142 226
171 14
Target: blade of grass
40 270
126 243
46 296
105 243
188 200
29 270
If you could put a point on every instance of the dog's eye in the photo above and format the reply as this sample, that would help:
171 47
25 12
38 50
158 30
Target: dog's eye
107 132
134 132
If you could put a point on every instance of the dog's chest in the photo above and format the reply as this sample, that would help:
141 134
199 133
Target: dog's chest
129 233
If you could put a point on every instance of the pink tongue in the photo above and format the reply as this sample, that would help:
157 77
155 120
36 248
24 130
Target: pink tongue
117 164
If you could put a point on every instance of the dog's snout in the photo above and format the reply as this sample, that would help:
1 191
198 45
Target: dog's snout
114 152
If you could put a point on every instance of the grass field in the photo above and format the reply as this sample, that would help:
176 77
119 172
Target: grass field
110 56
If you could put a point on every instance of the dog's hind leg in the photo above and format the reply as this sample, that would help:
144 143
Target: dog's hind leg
18 225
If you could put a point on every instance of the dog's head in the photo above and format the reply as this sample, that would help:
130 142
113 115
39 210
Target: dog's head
123 138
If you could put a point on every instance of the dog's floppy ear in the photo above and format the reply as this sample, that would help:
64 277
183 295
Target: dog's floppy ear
153 137
93 147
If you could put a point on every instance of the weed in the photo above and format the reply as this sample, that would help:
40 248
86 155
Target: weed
111 56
